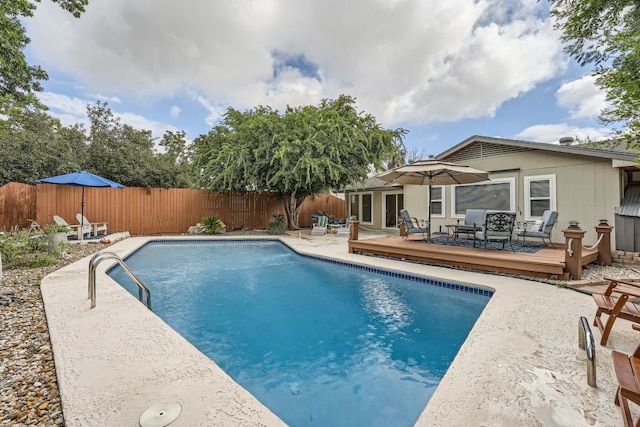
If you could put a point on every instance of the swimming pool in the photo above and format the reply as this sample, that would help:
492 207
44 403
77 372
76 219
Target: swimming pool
319 343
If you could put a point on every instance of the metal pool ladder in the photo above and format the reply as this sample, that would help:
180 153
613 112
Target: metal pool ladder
97 259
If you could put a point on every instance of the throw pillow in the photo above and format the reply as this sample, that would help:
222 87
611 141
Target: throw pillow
537 226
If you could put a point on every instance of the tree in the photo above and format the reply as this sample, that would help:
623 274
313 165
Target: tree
35 145
606 33
307 150
18 79
126 155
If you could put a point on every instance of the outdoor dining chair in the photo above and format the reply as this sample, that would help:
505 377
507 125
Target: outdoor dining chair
498 226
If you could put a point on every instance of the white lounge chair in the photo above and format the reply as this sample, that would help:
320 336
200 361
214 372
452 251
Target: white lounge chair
73 230
96 227
345 230
320 227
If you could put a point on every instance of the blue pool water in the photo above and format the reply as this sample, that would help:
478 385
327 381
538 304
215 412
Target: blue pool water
320 344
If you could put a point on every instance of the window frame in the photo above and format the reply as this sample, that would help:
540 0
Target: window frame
441 200
512 193
527 194
360 206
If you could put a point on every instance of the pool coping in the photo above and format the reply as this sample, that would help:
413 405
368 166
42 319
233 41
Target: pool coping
520 364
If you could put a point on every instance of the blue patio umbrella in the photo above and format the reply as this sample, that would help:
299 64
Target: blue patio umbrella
80 179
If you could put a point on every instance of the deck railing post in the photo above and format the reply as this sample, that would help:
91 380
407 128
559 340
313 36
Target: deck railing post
353 229
573 255
585 342
604 245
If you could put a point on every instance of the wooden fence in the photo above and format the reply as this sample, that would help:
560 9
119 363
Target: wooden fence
149 211
17 205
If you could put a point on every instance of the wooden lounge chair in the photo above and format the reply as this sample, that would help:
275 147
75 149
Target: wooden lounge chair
345 230
615 304
627 369
96 227
73 230
320 227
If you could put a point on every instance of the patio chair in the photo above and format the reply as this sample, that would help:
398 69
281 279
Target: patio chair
473 221
320 227
627 368
96 227
410 227
541 229
615 304
73 230
498 226
345 230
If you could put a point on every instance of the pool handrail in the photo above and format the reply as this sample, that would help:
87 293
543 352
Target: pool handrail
96 259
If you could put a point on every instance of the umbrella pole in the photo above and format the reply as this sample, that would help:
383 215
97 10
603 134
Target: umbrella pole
429 213
82 219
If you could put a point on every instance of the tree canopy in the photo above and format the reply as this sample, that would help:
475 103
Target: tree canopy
606 33
18 79
36 145
304 151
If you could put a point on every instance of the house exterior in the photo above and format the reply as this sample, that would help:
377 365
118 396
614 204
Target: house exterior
582 182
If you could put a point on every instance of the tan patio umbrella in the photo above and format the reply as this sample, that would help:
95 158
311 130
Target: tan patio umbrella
433 172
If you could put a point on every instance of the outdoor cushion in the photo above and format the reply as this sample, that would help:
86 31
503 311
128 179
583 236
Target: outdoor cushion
473 220
537 226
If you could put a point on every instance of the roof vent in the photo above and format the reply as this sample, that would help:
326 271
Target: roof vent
566 140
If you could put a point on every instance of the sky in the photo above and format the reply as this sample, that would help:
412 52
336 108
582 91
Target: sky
443 70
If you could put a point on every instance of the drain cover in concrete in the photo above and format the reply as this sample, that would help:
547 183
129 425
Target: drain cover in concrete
160 415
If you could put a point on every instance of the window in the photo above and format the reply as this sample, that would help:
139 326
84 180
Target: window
497 194
361 205
437 201
539 195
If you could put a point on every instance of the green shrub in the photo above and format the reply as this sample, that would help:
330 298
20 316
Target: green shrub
55 228
212 224
19 249
277 226
40 260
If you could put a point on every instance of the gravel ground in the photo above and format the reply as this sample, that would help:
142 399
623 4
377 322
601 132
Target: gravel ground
29 392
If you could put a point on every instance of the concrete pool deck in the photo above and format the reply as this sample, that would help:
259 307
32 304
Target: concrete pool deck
521 364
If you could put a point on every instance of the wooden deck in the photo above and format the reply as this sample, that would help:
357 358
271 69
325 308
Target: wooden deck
547 263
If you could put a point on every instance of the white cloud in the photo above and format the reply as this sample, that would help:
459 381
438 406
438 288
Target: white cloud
174 111
582 97
553 132
113 99
70 105
406 61
72 110
215 111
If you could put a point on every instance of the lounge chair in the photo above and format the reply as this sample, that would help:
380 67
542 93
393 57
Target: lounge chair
345 230
627 368
320 227
541 229
73 230
96 227
410 227
615 304
497 226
